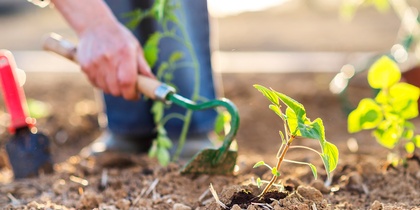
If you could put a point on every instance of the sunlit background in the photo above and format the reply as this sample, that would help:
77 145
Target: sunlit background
275 34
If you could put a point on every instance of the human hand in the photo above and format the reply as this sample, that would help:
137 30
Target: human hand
111 57
108 53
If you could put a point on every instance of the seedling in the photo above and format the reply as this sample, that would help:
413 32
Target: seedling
388 113
296 127
163 11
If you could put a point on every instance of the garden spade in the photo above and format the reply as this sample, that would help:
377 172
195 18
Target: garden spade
207 161
28 152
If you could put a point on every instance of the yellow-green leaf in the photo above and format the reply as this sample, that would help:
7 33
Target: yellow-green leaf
417 141
329 156
269 94
163 156
275 172
314 172
388 134
404 99
259 182
383 73
276 110
367 115
175 56
164 141
151 49
410 147
258 164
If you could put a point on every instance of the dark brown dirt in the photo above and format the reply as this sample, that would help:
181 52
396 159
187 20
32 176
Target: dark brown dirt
359 182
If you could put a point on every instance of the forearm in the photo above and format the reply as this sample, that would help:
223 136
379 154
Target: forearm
82 14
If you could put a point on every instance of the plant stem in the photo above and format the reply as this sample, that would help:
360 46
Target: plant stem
196 90
304 147
279 161
171 116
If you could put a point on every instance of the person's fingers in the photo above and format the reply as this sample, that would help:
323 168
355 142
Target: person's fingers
113 85
107 78
127 77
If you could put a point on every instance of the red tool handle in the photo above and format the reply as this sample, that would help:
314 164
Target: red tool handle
13 94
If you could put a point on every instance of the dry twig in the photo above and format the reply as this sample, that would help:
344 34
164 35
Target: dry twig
216 197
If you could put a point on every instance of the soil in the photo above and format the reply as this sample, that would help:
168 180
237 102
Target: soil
361 180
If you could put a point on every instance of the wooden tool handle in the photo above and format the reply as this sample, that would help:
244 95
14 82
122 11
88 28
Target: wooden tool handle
56 43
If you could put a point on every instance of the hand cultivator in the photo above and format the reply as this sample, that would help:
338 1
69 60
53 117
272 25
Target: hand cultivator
208 161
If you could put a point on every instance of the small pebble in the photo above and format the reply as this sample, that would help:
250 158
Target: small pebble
236 207
310 193
180 206
123 204
376 205
319 185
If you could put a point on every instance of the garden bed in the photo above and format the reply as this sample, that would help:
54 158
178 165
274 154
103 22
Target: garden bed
362 179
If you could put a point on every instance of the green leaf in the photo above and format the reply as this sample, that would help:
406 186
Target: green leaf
259 182
162 69
219 123
269 94
163 156
416 141
314 171
313 130
283 140
159 9
157 111
161 130
329 156
404 100
276 110
408 134
135 17
383 73
175 56
292 122
293 104
151 49
388 134
164 141
258 164
153 149
367 115
168 77
410 147
38 109
275 172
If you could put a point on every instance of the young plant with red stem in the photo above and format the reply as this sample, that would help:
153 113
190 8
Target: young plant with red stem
296 126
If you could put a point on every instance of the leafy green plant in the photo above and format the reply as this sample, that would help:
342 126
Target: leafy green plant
388 113
296 127
163 11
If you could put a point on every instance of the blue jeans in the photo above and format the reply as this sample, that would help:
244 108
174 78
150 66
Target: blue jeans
134 117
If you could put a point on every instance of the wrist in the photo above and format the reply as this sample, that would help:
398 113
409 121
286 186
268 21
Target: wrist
80 15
